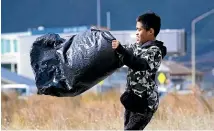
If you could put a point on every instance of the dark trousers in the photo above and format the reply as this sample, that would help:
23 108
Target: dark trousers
136 121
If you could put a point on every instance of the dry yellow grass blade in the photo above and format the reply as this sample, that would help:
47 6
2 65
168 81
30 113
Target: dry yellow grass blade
99 111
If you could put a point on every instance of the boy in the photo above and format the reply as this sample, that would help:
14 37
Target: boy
143 59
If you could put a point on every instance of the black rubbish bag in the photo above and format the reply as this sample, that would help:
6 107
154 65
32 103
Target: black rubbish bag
69 67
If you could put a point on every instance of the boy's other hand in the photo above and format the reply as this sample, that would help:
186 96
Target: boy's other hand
115 44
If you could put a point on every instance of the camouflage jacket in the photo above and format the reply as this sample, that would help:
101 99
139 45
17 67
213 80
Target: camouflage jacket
143 62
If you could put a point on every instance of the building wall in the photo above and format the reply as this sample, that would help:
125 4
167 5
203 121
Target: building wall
24 67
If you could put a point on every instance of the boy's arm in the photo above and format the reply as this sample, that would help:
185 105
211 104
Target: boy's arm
150 60
128 48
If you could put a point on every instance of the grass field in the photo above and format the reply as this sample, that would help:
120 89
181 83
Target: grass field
91 111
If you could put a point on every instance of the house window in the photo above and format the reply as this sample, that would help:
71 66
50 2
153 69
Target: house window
8 46
5 46
15 45
11 67
2 46
7 66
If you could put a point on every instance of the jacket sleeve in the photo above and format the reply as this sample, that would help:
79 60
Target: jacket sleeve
147 61
128 48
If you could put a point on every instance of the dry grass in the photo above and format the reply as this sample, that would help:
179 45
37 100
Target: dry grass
104 111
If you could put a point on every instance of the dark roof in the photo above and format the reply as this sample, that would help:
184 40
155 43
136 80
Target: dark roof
15 78
179 69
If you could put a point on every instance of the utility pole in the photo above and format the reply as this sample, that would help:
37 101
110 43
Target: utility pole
199 18
98 14
108 20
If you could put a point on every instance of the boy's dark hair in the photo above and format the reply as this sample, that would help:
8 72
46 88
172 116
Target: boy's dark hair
150 20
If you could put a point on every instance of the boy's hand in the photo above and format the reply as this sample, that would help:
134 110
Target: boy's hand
115 44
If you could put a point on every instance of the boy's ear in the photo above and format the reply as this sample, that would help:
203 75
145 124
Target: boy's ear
151 31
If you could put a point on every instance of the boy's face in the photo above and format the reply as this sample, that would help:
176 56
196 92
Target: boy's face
143 35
